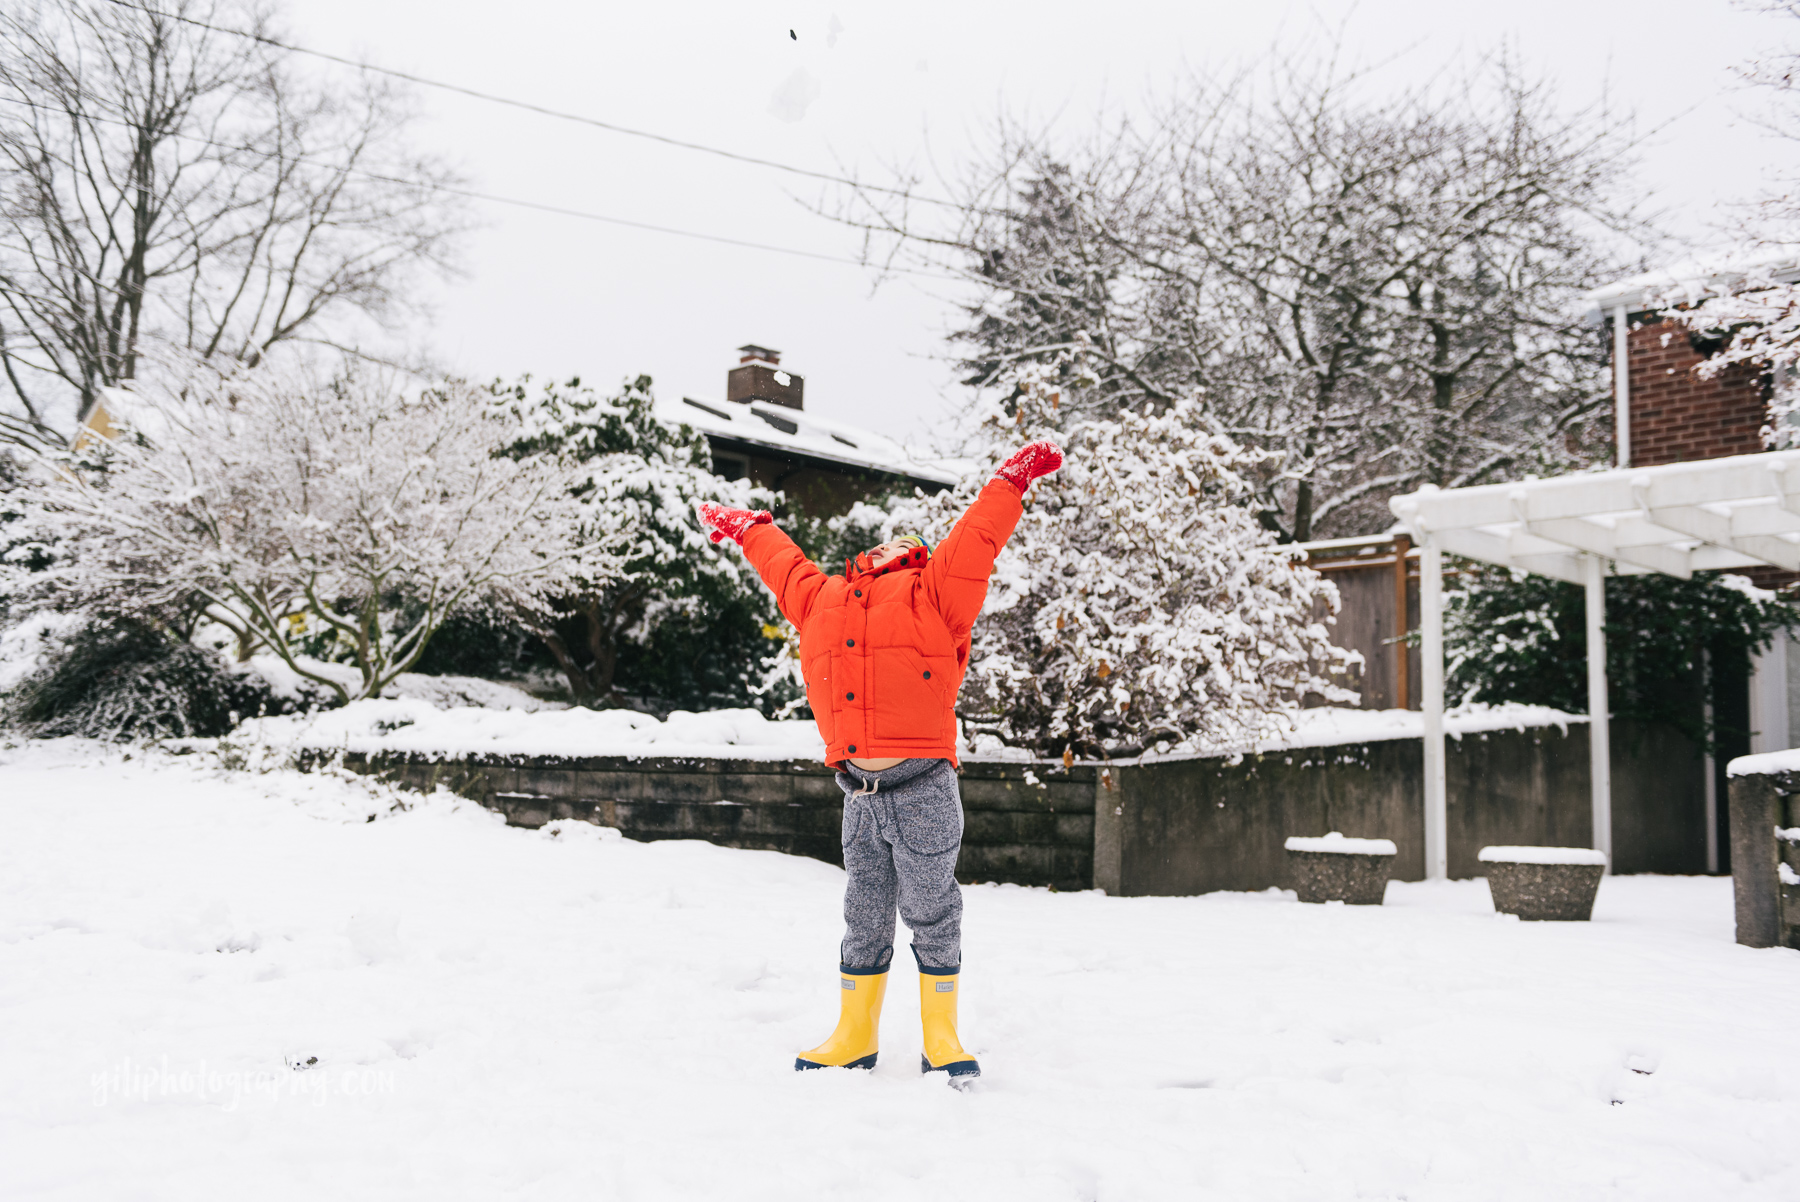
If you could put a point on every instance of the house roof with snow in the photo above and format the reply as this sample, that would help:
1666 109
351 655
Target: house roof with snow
795 433
1702 275
763 415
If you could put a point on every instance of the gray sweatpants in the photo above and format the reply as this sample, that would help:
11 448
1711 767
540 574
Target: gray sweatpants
902 832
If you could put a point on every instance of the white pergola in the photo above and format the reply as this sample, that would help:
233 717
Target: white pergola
1676 519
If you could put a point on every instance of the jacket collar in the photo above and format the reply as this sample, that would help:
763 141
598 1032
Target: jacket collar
859 569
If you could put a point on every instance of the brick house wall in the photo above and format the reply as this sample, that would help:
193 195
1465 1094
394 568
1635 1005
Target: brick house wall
1676 414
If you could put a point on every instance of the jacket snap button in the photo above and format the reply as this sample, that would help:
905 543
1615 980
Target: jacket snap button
849 696
927 676
859 592
849 642
853 748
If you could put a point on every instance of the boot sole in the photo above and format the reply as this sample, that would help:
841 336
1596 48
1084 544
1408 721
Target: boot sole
968 1069
868 1061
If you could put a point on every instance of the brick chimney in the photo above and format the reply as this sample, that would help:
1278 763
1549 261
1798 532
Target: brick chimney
758 377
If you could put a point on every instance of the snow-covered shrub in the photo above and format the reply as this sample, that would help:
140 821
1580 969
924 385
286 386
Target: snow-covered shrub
488 645
1140 602
24 551
129 680
263 500
1523 638
672 621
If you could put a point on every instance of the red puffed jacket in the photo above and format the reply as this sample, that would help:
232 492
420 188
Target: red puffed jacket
884 652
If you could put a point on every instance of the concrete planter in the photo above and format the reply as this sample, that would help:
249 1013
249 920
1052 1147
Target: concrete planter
1544 884
1333 868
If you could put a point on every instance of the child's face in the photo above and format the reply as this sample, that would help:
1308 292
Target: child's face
880 557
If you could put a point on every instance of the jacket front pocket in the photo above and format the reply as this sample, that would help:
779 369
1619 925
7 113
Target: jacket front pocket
909 699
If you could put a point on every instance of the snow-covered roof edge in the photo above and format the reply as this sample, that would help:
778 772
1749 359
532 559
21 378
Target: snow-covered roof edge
761 424
1699 276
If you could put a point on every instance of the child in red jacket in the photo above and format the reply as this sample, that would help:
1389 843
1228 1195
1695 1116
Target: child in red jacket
884 648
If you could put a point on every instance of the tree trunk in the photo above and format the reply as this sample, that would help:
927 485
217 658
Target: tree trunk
581 685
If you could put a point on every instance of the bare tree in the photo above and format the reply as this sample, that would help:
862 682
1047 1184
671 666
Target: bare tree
162 180
1380 288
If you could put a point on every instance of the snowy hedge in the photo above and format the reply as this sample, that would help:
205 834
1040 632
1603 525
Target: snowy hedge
68 675
1516 637
671 617
1140 604
262 500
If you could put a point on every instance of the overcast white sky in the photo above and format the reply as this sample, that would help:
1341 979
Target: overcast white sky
557 296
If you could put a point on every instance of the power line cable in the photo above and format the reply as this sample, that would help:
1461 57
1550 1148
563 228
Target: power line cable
660 229
542 110
494 198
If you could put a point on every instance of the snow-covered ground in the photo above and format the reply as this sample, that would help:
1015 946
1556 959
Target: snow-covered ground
218 986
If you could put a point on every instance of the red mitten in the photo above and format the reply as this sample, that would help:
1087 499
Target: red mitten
1029 462
732 523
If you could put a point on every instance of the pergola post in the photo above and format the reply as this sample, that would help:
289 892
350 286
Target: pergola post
1431 655
1599 727
1674 519
1622 385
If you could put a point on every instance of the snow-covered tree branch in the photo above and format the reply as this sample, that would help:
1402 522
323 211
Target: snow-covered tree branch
167 184
1749 301
1757 319
1140 603
264 500
636 480
1381 289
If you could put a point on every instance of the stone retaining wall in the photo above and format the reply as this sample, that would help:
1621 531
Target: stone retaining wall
1192 826
1169 828
1014 831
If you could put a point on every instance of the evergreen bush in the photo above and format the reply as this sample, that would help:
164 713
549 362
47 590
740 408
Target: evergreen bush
128 680
1521 637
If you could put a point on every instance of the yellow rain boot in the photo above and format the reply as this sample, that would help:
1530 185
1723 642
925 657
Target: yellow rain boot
937 1008
853 1044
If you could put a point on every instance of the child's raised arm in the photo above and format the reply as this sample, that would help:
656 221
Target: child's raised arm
794 579
957 575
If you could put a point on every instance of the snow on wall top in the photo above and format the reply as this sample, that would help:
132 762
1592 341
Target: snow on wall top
1332 726
1540 855
1339 844
413 725
416 727
797 432
1768 763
